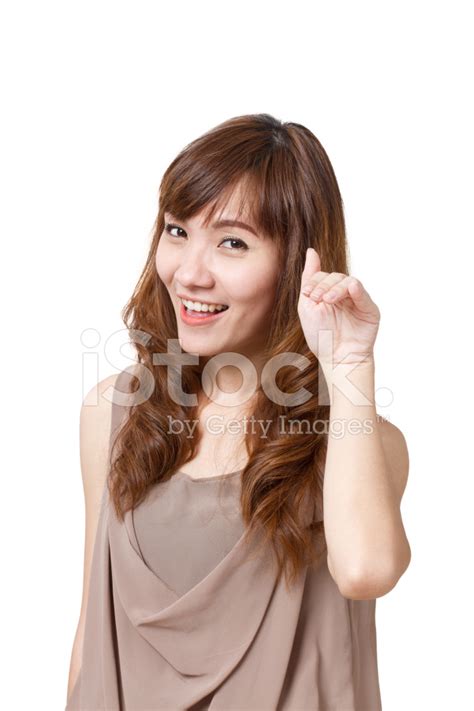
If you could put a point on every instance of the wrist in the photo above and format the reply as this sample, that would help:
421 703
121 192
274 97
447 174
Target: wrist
352 383
361 364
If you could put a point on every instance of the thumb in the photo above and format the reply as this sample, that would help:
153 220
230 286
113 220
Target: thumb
312 264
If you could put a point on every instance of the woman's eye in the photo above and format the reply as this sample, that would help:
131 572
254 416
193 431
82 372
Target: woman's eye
169 227
240 243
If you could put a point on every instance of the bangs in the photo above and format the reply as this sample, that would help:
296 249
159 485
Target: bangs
244 192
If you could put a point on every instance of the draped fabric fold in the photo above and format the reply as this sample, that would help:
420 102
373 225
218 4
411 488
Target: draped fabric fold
199 633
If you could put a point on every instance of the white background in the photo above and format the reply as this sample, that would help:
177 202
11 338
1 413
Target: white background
98 97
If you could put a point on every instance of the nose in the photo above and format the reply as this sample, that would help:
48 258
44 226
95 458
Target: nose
193 269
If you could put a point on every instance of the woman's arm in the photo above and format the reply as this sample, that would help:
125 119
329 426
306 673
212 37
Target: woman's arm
365 476
95 425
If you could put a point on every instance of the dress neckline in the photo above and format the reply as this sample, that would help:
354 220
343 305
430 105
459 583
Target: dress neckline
207 478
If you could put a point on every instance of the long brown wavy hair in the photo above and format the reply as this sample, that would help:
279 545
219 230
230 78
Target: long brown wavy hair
293 197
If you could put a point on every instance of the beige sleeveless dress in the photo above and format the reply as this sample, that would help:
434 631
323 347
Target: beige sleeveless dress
181 616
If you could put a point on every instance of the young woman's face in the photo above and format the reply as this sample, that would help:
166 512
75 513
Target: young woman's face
221 265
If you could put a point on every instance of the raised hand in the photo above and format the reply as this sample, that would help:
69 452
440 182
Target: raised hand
339 303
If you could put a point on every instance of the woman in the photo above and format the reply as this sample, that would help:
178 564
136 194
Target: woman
237 565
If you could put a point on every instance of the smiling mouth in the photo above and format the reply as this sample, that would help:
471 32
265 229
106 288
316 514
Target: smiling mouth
194 317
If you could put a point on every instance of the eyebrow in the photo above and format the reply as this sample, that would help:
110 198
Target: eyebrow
228 223
234 223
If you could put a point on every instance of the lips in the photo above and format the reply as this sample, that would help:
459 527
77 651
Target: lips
200 318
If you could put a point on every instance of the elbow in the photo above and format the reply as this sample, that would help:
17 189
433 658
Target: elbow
367 584
366 587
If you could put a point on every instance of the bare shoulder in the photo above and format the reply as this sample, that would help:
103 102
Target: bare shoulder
96 409
95 396
396 453
95 429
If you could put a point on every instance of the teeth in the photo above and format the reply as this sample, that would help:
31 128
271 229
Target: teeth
197 306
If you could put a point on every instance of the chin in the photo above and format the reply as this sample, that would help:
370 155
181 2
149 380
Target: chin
197 344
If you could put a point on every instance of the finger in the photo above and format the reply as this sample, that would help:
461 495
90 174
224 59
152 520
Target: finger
359 293
313 282
336 293
325 284
312 264
348 287
311 273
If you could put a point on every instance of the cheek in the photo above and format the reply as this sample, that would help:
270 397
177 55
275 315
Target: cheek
265 305
256 293
164 263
